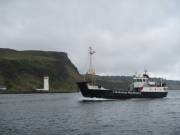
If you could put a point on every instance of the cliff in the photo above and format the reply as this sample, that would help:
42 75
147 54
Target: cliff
22 70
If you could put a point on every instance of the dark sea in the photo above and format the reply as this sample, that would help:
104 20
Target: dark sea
72 114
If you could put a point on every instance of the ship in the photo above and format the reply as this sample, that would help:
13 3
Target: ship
141 87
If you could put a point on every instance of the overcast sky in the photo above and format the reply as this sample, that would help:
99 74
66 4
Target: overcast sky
125 34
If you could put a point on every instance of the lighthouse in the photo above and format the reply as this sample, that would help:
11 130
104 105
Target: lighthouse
46 82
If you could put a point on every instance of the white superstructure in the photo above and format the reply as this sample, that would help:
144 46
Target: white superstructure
139 80
143 84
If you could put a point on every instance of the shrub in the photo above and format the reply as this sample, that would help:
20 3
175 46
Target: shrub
9 86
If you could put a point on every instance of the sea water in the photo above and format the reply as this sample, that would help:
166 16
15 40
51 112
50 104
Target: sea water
72 114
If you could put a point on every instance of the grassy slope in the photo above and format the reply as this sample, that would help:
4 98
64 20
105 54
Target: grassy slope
31 55
25 69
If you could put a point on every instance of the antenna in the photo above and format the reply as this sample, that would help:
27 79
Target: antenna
136 73
90 52
145 69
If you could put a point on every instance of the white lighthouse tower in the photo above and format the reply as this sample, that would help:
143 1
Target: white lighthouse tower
46 82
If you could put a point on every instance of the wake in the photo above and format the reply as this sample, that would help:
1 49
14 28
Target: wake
95 99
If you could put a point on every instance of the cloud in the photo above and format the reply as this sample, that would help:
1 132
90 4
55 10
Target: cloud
126 35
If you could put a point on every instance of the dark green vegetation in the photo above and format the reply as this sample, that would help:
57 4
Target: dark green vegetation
22 70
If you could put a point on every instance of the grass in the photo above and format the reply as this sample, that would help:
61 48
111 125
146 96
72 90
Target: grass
1 92
13 55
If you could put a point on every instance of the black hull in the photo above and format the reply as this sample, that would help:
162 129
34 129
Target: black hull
116 94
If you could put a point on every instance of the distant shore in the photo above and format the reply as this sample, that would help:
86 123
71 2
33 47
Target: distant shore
34 92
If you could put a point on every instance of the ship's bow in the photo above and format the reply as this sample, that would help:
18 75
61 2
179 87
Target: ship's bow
83 88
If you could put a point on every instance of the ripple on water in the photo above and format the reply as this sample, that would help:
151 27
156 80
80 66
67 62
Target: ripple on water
71 114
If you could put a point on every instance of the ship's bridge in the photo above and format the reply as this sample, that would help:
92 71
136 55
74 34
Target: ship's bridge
139 81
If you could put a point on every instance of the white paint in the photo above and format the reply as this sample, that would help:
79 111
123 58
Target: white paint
152 83
154 89
95 87
139 81
46 84
2 88
138 84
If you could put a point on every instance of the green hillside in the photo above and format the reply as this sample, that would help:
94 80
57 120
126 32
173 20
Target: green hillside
22 70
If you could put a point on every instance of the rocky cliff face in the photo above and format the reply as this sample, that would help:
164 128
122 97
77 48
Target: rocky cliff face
25 69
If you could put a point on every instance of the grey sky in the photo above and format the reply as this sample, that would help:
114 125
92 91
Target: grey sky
126 34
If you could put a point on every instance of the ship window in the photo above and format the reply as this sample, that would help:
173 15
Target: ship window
155 89
139 80
143 80
150 89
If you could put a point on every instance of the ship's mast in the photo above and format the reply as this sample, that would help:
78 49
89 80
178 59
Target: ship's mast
90 71
145 69
90 52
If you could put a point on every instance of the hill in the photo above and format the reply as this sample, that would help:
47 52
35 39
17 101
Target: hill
22 70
